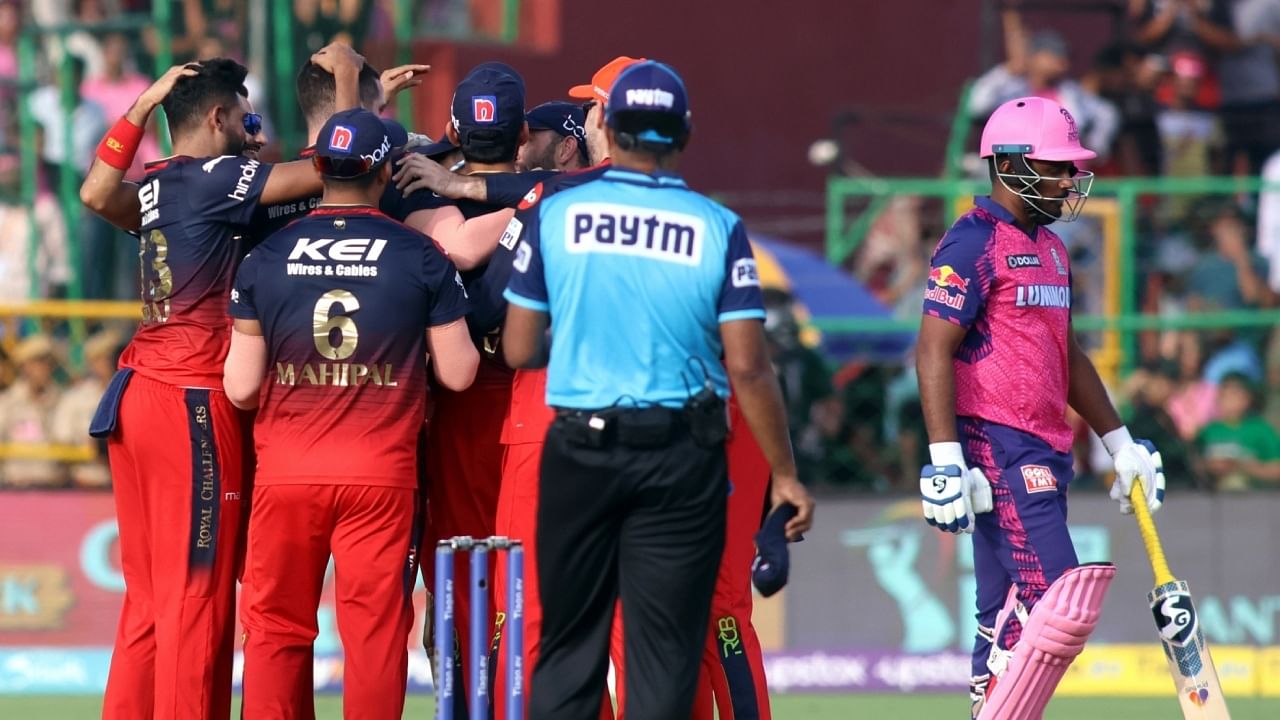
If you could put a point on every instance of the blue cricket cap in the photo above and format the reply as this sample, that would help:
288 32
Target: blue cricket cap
566 118
772 564
354 142
490 97
650 87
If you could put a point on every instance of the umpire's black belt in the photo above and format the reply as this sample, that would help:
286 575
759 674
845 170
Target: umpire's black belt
639 428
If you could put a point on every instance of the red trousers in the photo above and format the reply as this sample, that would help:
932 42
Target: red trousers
517 518
463 463
293 530
176 467
732 679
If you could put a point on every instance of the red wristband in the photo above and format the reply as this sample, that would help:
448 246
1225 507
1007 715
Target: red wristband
120 144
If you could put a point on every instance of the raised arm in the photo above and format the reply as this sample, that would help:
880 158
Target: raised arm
104 190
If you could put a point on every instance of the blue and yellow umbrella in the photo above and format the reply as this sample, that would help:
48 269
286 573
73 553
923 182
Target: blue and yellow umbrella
822 291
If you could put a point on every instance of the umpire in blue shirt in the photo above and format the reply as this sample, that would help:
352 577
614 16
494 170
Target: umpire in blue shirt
654 305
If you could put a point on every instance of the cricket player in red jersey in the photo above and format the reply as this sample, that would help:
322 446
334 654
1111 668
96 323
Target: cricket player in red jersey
338 311
999 363
732 680
174 440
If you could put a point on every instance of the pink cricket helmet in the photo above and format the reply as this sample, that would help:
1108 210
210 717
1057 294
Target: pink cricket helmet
1037 127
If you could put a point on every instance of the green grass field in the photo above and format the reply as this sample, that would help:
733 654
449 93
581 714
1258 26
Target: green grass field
785 707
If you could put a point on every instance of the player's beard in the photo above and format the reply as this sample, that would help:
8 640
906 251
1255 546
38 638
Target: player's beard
1046 212
234 142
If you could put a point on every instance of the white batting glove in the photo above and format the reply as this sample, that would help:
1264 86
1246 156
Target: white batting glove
1135 458
950 493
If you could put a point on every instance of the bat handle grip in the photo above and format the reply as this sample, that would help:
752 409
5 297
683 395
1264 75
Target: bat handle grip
1150 538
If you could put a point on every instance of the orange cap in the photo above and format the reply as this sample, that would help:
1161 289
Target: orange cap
603 79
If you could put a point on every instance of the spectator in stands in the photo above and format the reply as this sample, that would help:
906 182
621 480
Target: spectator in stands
1188 131
1231 276
71 417
893 260
87 124
1193 403
1149 390
1038 65
1241 451
1126 76
109 265
52 271
26 414
1165 26
801 370
1251 86
115 88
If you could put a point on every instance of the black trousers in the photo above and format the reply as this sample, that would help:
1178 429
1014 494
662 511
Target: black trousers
646 525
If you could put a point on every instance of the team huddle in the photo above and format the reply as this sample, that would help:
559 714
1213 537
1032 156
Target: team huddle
321 357
341 357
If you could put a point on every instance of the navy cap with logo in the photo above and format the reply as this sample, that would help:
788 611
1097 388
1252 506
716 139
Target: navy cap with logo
565 118
490 97
772 563
352 143
649 87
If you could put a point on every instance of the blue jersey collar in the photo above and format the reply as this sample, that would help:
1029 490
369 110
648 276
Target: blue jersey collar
661 178
1001 212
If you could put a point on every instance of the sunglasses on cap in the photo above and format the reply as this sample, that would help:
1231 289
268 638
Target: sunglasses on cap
252 123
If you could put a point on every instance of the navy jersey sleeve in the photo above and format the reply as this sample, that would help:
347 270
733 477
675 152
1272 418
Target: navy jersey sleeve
740 296
420 200
510 189
488 306
226 188
528 286
448 297
242 305
960 273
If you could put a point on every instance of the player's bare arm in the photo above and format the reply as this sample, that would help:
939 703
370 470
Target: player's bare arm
1086 394
246 364
400 78
1132 458
751 375
935 349
294 180
104 190
524 338
470 243
344 63
419 172
453 356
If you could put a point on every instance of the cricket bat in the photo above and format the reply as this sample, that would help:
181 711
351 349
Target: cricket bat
1194 677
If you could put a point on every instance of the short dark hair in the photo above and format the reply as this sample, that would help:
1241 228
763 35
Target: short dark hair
318 90
489 146
630 123
360 182
218 83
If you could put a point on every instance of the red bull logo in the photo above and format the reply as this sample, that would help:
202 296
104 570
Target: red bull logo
945 276
943 279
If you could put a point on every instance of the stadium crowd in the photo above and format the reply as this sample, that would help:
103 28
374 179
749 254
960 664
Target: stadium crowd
1192 88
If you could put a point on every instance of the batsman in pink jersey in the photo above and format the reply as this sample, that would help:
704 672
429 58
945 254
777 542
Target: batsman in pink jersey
999 363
